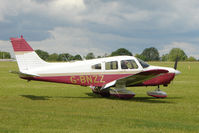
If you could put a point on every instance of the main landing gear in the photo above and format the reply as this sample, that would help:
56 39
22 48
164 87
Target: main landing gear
119 93
103 93
122 93
157 93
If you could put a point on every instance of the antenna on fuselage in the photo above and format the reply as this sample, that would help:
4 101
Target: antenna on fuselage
65 58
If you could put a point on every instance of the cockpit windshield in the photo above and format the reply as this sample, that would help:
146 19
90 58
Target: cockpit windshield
142 63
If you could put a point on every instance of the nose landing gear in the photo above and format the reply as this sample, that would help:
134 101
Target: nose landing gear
157 93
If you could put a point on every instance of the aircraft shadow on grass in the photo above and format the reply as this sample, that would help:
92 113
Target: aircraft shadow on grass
92 95
139 99
33 97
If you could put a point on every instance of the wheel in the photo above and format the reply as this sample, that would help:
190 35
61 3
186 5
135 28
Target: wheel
105 93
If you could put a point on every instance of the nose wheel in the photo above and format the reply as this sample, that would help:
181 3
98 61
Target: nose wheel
157 93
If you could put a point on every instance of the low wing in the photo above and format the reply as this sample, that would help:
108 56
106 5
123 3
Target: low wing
136 78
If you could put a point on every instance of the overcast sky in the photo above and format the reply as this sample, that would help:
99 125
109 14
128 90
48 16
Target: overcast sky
101 26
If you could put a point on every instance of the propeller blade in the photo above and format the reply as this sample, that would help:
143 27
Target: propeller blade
176 63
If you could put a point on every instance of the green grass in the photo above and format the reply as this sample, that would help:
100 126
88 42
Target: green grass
37 107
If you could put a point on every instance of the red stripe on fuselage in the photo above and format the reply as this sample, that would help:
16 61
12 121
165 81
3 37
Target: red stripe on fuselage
100 80
84 80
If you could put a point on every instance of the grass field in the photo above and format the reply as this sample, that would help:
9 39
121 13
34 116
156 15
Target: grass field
37 107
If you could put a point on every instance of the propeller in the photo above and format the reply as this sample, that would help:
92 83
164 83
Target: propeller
176 63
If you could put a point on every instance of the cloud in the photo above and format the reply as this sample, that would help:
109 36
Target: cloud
52 8
35 19
7 47
120 16
101 25
70 40
82 41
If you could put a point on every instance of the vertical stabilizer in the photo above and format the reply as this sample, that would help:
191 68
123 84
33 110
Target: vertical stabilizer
26 57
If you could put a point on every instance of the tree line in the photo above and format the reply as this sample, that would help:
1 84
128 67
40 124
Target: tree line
152 54
148 54
5 55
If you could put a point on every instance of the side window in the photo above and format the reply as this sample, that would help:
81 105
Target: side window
97 66
111 65
128 64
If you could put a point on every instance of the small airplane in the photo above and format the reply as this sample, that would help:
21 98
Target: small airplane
100 74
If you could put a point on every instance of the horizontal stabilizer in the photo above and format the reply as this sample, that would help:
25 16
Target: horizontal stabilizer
24 74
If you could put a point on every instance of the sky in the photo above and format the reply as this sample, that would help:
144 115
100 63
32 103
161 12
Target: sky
101 26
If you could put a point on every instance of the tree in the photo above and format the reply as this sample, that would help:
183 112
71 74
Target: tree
42 54
65 57
121 51
191 58
5 55
90 56
140 56
77 57
99 56
53 57
177 53
151 54
165 57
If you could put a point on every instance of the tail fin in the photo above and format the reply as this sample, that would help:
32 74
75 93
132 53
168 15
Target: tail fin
26 57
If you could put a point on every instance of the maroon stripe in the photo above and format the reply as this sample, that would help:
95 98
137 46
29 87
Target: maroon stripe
19 44
100 80
84 80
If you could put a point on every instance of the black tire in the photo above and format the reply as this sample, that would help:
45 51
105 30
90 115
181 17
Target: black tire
105 94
